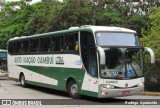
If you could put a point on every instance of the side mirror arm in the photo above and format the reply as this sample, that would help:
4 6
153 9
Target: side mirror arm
102 56
152 54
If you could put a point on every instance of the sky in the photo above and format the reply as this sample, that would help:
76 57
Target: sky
33 1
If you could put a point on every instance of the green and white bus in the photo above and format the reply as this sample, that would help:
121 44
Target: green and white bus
97 61
3 60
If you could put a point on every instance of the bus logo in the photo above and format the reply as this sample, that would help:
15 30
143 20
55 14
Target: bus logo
126 85
59 60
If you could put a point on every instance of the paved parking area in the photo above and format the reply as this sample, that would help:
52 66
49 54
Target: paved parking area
12 90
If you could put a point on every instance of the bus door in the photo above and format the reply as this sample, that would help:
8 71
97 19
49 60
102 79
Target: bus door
89 58
92 70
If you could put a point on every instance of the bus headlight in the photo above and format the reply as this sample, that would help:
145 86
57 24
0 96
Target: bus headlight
108 86
141 84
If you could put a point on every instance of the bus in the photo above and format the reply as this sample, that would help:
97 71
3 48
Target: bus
3 60
97 61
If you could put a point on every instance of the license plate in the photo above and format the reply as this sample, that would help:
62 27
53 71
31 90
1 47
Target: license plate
125 92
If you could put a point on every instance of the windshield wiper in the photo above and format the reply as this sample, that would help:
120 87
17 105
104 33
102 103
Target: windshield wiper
128 60
133 69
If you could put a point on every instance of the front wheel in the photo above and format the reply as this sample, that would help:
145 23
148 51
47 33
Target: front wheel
73 90
22 81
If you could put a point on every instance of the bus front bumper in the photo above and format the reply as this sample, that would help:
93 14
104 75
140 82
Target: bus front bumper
107 93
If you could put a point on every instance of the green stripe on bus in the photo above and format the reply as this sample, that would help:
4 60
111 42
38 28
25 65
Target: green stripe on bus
58 73
41 84
84 92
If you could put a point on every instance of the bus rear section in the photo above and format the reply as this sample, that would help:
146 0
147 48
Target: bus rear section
3 60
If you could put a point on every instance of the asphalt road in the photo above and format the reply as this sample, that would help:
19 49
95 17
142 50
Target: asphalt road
12 91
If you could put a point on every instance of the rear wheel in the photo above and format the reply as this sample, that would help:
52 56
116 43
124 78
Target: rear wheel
73 90
22 80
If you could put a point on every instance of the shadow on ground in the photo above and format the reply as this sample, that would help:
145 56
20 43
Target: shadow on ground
85 100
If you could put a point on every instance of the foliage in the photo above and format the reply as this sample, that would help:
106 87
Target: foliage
152 76
151 39
20 18
153 35
13 18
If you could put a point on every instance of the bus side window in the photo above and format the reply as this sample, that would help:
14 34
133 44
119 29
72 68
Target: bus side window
70 42
52 47
34 45
45 45
11 47
58 43
17 47
24 46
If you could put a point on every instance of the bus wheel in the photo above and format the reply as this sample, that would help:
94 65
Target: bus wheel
73 90
22 80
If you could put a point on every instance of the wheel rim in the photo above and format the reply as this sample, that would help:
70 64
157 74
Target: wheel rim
74 89
22 80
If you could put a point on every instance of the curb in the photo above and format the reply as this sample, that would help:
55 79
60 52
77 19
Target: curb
151 94
3 74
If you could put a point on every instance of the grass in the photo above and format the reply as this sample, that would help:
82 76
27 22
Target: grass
151 94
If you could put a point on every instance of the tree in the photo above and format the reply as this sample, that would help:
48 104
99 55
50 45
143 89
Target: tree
21 18
153 35
13 17
2 2
151 39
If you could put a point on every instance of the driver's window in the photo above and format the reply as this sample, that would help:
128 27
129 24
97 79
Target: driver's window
93 63
113 57
86 41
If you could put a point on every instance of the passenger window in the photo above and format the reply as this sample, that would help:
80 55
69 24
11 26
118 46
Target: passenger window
53 41
57 44
11 47
71 42
24 46
34 45
45 45
17 47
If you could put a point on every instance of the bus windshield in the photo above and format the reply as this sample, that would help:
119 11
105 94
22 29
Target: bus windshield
122 63
116 38
123 55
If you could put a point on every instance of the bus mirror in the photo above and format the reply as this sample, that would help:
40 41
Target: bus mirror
102 56
151 52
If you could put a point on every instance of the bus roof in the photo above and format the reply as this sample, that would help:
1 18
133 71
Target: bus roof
111 29
2 50
90 28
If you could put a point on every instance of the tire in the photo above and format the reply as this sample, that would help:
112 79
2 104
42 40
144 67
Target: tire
73 90
22 80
